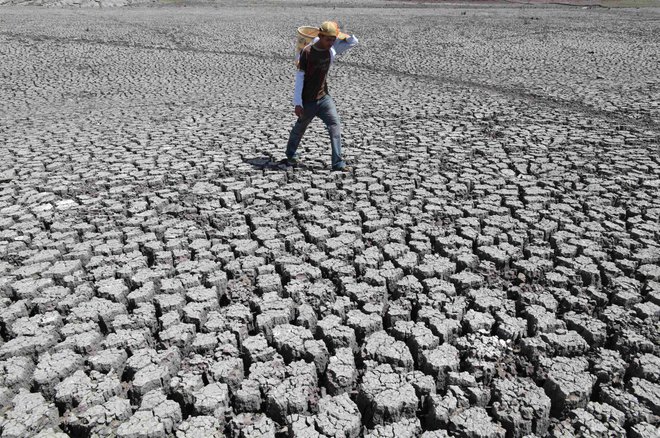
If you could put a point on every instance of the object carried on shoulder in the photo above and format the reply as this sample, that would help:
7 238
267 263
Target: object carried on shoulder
306 35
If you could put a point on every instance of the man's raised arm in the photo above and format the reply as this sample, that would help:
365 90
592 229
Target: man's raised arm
342 46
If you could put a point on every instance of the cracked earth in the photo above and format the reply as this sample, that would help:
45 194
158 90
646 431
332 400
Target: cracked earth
490 267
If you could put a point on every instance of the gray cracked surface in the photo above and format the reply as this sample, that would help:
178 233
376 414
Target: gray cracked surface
489 268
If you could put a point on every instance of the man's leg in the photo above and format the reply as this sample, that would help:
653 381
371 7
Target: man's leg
328 113
299 129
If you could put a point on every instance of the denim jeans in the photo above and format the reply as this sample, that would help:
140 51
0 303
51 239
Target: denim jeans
325 109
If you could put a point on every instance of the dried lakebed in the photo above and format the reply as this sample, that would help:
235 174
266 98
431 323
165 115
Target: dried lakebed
491 267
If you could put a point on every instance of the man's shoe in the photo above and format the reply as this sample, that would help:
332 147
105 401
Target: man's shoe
291 162
345 169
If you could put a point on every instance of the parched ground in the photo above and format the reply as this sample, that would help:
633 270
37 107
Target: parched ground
490 267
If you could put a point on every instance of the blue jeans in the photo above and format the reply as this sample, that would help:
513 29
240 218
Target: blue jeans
325 109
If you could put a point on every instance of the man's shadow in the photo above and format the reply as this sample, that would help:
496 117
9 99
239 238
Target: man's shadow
269 163
266 162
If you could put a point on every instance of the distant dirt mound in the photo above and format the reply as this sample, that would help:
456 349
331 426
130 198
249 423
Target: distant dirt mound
78 3
581 3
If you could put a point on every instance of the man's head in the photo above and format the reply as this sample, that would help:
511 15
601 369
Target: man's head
328 34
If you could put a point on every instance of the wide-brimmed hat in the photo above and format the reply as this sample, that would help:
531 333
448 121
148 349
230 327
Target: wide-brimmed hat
330 28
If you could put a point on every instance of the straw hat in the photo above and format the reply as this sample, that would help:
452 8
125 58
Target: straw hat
330 28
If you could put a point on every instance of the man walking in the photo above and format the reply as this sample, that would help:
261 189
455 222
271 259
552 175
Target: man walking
311 98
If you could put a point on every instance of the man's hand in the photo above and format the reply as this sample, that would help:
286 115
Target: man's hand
299 111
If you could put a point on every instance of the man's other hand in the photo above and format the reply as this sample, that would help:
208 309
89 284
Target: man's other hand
299 111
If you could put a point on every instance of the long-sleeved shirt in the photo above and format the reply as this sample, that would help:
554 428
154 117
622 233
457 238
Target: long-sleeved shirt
313 66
